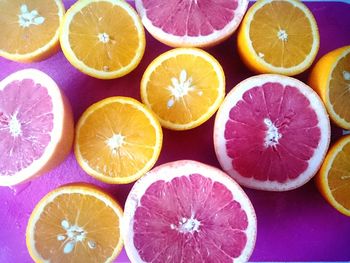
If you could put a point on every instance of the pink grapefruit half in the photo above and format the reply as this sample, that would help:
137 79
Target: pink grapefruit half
186 211
191 23
36 126
271 133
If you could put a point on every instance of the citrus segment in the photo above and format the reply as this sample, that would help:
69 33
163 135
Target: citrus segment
36 126
184 87
278 37
197 23
29 29
76 223
117 140
104 39
330 78
271 133
186 211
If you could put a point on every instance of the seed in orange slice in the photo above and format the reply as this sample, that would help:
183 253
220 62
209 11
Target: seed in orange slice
184 87
330 78
104 39
29 29
333 179
36 126
118 140
75 223
278 37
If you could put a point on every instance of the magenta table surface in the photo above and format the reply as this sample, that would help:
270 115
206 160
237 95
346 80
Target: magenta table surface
292 226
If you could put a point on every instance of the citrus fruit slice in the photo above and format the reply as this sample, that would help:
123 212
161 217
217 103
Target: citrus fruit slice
186 211
29 29
36 126
104 39
197 23
75 223
333 179
330 78
184 87
118 140
272 133
278 37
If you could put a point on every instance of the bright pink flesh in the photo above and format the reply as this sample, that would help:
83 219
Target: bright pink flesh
165 209
26 121
190 17
283 155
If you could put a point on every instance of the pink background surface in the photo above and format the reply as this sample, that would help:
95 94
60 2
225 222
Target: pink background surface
292 226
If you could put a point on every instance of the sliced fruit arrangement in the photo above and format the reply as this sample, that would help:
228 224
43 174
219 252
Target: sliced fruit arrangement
184 87
75 223
278 37
29 29
198 23
118 139
104 39
272 133
36 126
330 78
333 179
186 211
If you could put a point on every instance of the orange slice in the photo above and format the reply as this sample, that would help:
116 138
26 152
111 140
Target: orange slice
331 80
333 179
184 87
103 39
118 140
278 37
29 29
75 223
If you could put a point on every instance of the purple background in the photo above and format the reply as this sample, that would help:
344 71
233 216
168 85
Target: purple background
292 226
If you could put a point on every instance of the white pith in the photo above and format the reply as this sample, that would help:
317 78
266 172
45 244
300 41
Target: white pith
27 18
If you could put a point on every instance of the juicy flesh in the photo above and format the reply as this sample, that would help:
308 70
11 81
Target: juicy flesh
26 123
26 39
281 34
103 36
190 17
272 133
189 219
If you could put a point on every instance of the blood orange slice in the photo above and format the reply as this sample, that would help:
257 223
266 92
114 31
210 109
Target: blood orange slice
271 133
186 211
36 126
198 23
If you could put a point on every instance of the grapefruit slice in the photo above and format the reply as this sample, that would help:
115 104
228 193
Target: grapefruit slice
186 211
198 23
36 126
271 133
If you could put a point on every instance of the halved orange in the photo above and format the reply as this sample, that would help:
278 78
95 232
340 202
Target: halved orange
333 179
29 29
278 37
330 78
184 87
118 140
103 38
75 223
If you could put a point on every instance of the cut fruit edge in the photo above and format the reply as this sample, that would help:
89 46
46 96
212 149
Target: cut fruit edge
169 171
178 52
83 189
157 147
255 62
76 62
62 133
43 52
193 41
231 100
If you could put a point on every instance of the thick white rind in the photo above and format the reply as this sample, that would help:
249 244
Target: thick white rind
169 171
223 116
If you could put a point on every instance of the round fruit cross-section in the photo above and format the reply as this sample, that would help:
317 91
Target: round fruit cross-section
271 133
186 211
